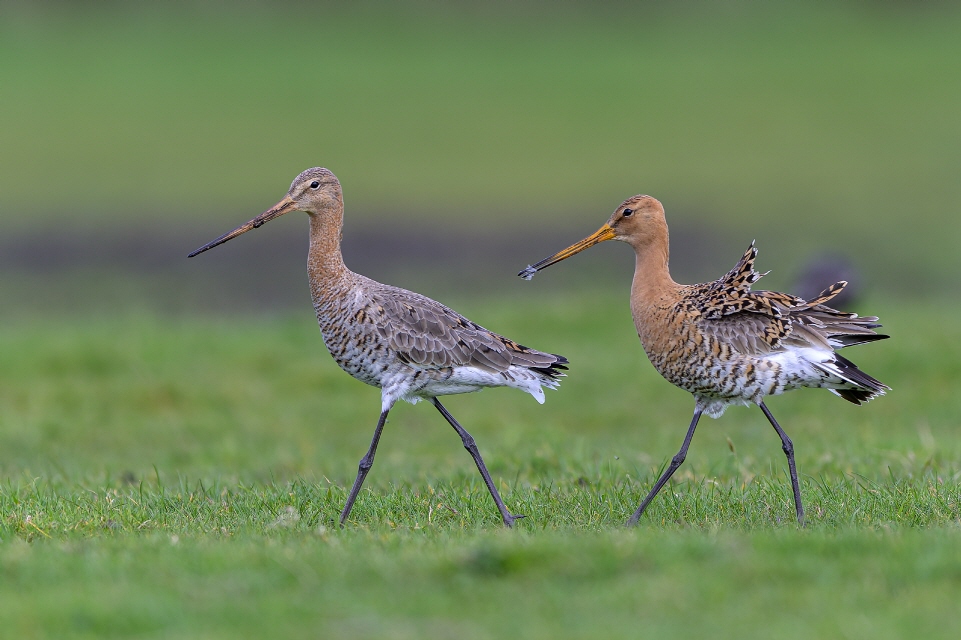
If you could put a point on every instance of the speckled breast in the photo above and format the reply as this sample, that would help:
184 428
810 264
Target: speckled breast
354 343
715 370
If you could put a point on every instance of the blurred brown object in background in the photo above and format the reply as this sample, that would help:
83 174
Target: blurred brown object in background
820 271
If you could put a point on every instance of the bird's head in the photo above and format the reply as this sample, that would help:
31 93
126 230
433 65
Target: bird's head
316 191
638 221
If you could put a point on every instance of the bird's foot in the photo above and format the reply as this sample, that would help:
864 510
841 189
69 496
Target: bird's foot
510 519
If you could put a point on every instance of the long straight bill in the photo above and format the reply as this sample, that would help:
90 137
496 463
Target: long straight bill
602 234
284 206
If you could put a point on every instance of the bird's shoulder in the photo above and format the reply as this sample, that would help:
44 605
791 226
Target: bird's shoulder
428 333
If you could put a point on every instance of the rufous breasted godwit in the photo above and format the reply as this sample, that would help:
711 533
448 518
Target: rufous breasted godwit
725 343
411 347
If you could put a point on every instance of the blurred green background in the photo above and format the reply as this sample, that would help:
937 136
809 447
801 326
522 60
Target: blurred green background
132 132
142 393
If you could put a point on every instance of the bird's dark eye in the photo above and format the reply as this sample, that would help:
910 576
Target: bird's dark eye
627 212
314 184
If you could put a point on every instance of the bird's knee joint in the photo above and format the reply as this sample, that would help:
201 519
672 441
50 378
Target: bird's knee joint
365 465
468 442
678 460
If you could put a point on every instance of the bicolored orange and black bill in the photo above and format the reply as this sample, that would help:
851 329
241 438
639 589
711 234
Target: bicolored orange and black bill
602 234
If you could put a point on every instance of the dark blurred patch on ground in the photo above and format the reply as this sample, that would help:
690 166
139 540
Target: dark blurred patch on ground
87 270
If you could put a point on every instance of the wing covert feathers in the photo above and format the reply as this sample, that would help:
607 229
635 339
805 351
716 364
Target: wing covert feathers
424 332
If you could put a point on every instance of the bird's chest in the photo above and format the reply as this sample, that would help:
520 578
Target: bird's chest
704 365
354 343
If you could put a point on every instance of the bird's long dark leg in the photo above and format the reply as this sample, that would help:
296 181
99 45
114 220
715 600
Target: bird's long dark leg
676 462
471 447
788 448
365 464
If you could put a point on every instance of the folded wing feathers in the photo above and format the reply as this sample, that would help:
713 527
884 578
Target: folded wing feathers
427 333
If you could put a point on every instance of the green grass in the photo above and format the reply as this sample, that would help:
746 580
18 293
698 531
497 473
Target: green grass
670 584
180 478
883 585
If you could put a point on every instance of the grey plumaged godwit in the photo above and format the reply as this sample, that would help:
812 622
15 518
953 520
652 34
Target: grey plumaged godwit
411 347
725 343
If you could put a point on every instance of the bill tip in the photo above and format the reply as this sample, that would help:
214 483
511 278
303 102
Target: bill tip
528 272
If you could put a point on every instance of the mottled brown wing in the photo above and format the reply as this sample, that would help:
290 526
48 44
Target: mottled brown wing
725 295
758 322
752 322
732 293
425 332
838 328
748 332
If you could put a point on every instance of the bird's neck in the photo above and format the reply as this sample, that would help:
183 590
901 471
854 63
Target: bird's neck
651 272
325 264
653 291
